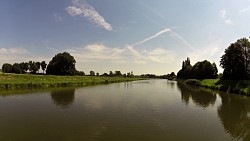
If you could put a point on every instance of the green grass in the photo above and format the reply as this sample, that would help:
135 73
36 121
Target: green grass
14 81
231 86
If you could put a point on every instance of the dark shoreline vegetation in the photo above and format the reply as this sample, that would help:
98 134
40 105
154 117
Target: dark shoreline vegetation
18 81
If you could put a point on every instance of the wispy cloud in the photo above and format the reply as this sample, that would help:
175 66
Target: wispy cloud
58 18
13 51
96 53
82 8
181 39
152 37
19 54
128 54
225 17
246 9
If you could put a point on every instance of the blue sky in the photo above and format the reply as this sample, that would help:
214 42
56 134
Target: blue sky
143 36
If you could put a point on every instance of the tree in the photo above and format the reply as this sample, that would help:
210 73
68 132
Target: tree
235 61
43 65
204 70
171 76
118 73
185 72
111 73
128 74
92 73
38 66
7 68
201 70
62 64
24 67
34 67
31 66
80 73
215 70
105 74
16 68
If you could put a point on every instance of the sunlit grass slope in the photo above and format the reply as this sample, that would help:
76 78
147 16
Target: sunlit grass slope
13 81
232 86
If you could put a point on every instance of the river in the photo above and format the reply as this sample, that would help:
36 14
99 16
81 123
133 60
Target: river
147 110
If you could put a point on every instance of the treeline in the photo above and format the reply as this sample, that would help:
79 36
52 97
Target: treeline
170 76
61 64
235 61
113 74
24 67
201 70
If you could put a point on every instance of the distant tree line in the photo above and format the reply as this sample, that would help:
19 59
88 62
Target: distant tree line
24 67
201 70
170 76
113 74
61 64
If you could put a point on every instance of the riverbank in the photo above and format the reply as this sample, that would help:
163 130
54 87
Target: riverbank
17 81
230 86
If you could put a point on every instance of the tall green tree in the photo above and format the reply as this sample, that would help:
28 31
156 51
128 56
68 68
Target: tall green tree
92 73
34 67
204 70
201 70
235 61
215 70
7 68
111 73
62 64
38 66
118 73
16 68
185 72
24 67
43 65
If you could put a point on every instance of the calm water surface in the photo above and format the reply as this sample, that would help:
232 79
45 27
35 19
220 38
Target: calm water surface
148 110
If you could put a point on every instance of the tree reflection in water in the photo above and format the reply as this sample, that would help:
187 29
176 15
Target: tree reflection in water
234 115
234 111
199 96
63 98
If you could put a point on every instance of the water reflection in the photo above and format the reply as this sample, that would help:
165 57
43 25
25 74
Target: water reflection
142 110
63 98
234 111
234 115
172 84
200 97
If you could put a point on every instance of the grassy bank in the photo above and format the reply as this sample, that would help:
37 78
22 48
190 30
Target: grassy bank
15 81
231 86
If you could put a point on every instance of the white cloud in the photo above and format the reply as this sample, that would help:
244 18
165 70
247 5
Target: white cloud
13 51
161 55
152 37
246 9
225 17
18 55
86 10
128 54
96 52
